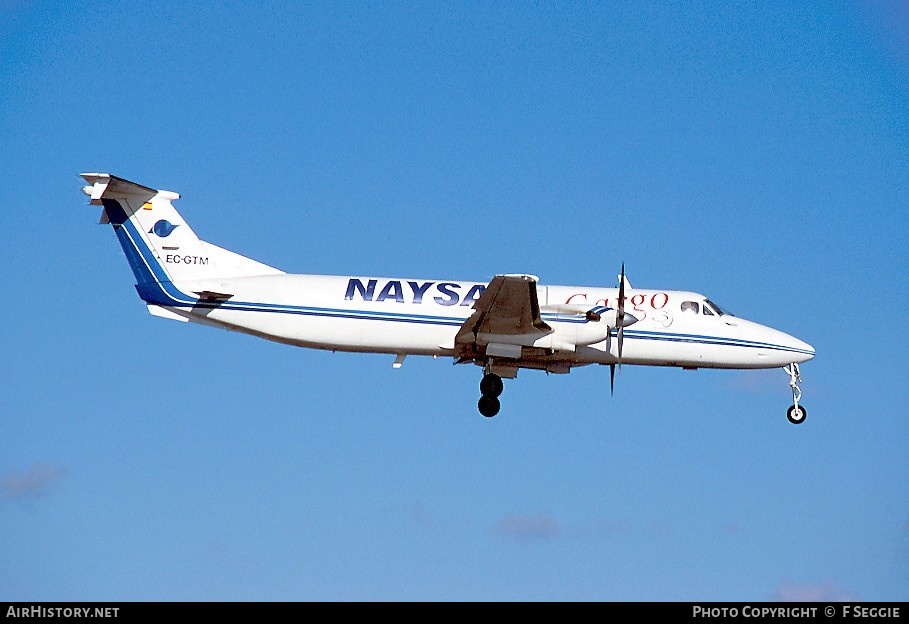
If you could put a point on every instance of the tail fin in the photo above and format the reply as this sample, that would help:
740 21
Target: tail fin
159 244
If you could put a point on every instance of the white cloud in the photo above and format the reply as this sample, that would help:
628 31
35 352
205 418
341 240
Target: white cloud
823 592
540 526
34 482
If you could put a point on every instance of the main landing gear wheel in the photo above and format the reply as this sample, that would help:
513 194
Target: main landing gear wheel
491 387
489 405
796 413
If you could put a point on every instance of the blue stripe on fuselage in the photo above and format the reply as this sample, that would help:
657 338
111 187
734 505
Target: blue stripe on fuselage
375 315
708 340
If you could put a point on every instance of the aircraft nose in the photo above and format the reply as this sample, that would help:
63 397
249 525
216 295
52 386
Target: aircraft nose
791 348
803 350
775 348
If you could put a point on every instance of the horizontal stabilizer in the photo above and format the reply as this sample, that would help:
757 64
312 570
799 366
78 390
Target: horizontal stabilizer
105 185
156 310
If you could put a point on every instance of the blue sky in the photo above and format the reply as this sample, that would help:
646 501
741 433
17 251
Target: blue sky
757 153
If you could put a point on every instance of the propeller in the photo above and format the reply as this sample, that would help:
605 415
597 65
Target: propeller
620 316
620 327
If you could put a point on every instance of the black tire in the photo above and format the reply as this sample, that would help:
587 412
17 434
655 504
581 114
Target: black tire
489 406
796 417
491 385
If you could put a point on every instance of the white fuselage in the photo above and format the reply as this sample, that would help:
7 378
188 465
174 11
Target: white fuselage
422 317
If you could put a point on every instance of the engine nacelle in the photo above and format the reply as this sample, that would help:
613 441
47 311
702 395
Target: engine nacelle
574 332
571 327
576 326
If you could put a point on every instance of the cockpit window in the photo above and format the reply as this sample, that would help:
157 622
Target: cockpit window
690 306
707 311
714 307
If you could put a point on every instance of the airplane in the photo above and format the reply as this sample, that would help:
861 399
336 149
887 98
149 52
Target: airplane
502 325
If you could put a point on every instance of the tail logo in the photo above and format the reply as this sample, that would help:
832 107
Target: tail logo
163 228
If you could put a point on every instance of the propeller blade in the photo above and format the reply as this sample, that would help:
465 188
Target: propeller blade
620 332
621 307
620 327
620 315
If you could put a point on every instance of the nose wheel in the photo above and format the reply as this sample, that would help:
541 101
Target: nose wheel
491 387
796 413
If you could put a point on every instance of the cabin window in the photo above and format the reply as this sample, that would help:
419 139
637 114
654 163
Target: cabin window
690 306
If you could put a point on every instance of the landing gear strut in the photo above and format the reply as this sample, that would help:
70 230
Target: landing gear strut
796 413
491 387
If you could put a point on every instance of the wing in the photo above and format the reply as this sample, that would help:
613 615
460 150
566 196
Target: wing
507 312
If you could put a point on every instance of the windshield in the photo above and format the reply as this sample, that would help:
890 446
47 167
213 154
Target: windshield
716 308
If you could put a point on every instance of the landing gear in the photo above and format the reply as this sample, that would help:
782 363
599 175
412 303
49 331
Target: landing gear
796 413
491 387
489 405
